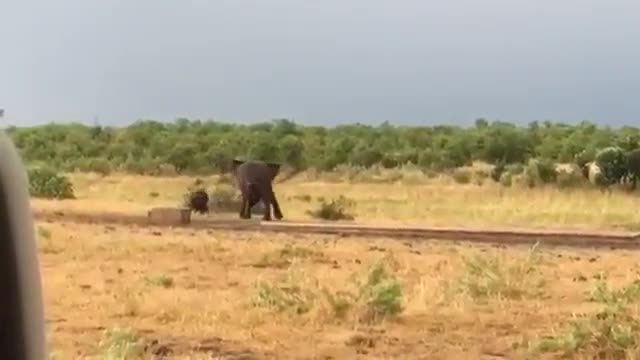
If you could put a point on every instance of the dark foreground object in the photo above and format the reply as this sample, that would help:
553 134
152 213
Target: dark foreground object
22 334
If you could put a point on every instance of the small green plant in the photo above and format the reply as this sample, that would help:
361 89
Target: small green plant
121 344
340 302
160 280
336 209
378 297
611 333
382 292
44 233
601 293
46 245
487 277
289 295
284 257
539 172
47 183
289 251
461 176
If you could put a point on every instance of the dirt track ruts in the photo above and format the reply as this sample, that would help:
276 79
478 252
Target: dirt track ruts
617 240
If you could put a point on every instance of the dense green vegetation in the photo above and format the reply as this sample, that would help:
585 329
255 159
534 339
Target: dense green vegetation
45 182
184 146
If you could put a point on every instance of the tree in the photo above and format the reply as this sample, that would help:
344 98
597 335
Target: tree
612 161
291 151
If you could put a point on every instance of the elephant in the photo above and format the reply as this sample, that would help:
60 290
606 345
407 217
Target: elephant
633 167
254 180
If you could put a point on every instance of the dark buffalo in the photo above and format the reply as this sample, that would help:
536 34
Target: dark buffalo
199 201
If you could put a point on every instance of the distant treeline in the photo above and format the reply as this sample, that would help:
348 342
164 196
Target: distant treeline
186 146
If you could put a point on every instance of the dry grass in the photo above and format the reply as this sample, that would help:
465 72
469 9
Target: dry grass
111 290
434 201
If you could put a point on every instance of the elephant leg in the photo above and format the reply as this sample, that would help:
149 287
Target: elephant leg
267 209
277 213
253 198
250 197
267 199
270 198
243 207
248 211
245 211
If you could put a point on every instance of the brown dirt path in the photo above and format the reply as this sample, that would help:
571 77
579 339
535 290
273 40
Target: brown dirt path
502 236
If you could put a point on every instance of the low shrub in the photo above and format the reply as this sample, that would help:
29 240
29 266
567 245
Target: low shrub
506 179
336 209
609 333
46 183
461 176
539 172
566 180
497 171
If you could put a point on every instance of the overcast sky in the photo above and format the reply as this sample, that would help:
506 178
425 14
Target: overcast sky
321 61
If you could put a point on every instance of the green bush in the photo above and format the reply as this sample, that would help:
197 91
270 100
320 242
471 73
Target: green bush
47 183
501 277
97 165
497 171
540 172
611 332
515 169
197 147
612 161
506 179
336 209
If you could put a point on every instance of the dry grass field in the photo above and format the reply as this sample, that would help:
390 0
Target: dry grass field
432 202
437 201
116 292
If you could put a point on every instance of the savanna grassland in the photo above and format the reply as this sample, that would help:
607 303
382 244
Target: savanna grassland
414 198
192 294
126 292
116 292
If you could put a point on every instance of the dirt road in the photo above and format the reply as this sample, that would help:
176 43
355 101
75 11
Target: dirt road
503 236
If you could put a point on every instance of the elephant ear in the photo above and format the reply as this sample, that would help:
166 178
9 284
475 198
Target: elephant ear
235 163
275 168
